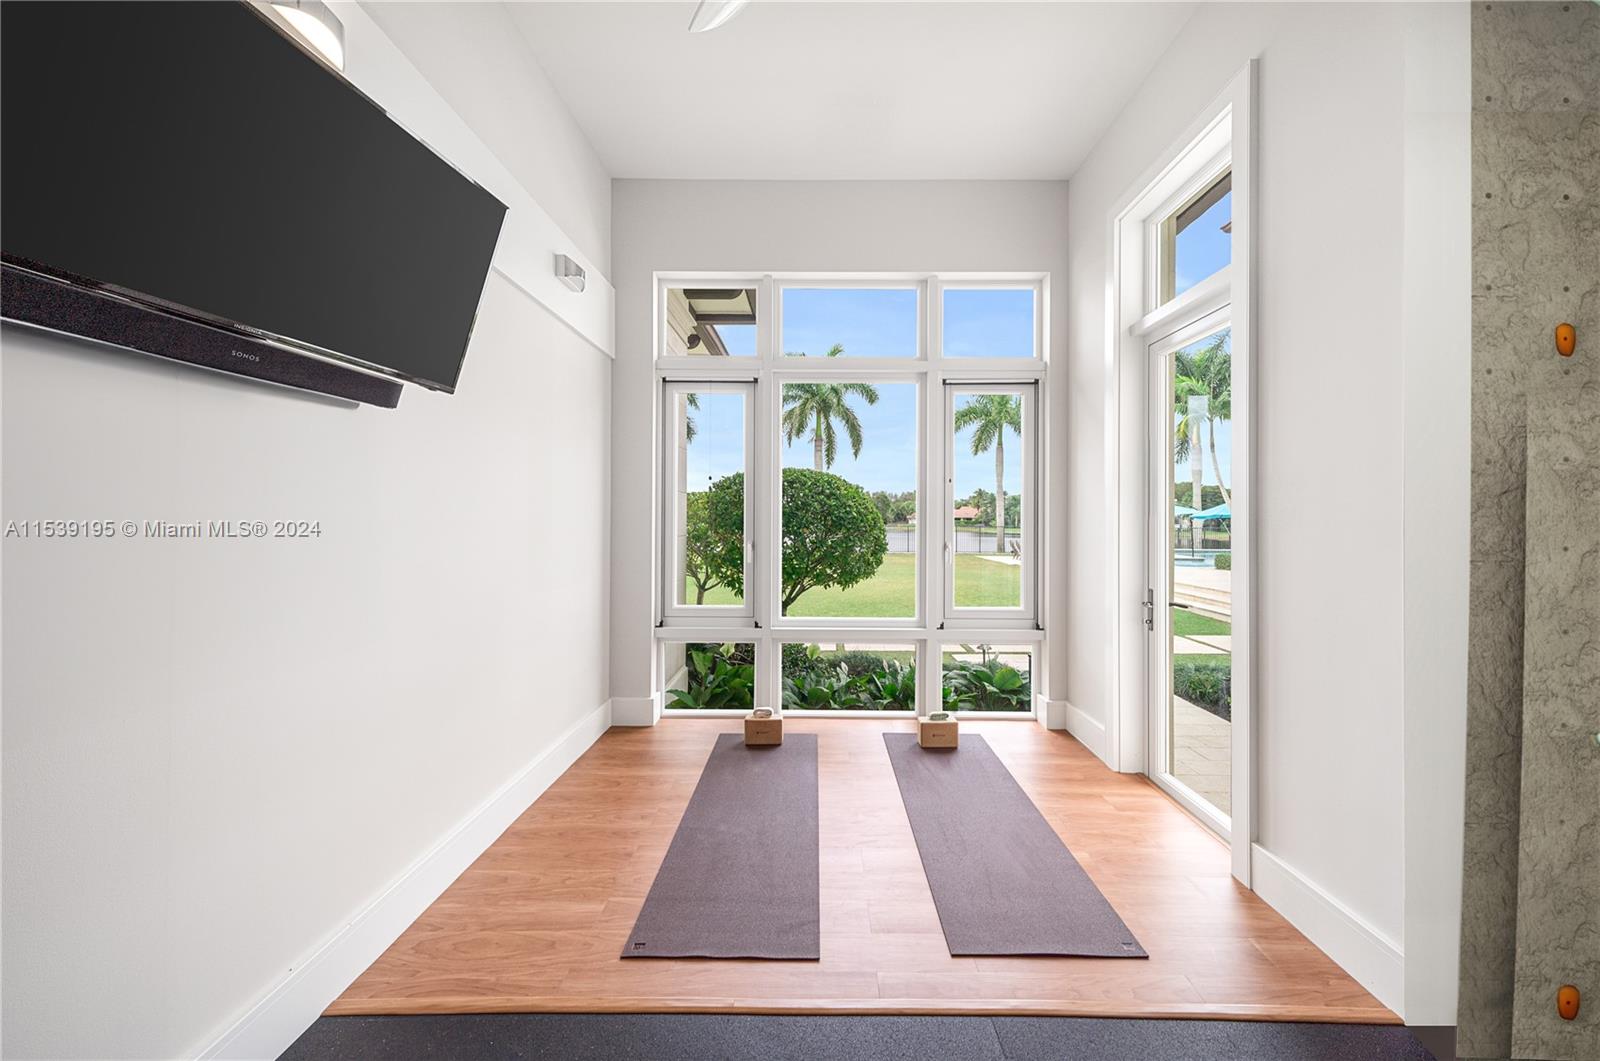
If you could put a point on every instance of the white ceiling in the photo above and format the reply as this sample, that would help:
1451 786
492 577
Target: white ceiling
936 91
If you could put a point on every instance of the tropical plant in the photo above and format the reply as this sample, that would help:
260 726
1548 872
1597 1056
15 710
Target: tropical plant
987 686
894 688
717 680
832 533
828 689
989 415
815 407
821 683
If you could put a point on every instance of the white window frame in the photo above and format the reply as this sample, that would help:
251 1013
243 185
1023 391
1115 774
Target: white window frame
1034 669
769 370
1026 613
995 364
672 507
1199 179
1223 136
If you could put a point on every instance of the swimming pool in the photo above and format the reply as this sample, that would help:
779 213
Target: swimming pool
1202 558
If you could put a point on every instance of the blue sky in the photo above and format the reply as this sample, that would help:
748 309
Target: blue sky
867 322
1203 247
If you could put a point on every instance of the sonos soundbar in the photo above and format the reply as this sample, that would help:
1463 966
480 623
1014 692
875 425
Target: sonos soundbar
39 301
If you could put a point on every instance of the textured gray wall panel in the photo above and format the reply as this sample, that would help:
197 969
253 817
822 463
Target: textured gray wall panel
1531 899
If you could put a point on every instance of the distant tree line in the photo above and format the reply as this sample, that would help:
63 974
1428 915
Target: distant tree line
895 508
983 501
1210 496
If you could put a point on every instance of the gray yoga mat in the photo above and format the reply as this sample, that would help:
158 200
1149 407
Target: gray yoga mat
741 877
1001 878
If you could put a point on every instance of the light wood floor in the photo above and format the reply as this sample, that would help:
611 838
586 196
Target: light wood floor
538 922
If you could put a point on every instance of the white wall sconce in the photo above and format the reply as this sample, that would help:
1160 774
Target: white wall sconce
317 25
570 272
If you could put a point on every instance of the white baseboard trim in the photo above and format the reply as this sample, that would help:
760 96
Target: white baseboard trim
1051 713
286 1010
636 710
1376 962
1090 731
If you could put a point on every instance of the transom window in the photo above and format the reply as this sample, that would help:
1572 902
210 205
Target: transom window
848 469
1196 239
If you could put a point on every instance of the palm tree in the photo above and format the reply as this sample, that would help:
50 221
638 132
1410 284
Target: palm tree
989 415
813 408
1206 374
690 429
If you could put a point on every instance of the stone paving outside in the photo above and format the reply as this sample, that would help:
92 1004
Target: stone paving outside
1202 752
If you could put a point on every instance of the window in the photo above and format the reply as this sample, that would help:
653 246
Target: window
703 676
842 503
851 322
850 470
706 453
1197 239
710 322
990 554
987 678
849 677
990 322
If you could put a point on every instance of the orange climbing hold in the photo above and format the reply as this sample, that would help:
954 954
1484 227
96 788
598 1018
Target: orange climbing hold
1566 339
1567 1002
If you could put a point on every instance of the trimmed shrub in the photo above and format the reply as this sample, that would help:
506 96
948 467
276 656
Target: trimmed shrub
859 663
1224 561
1205 683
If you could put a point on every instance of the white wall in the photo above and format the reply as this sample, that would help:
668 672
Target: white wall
1437 339
218 753
474 56
1336 463
799 226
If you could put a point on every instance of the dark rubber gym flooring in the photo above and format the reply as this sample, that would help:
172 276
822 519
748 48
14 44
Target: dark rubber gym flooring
730 1037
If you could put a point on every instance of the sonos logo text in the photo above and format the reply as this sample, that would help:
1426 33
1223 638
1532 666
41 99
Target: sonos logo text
246 356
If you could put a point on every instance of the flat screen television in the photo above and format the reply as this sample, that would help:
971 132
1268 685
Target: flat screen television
193 159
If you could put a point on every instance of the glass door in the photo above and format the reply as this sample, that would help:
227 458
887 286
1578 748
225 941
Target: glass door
1189 611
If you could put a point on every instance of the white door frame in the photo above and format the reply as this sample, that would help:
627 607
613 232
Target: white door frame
1159 536
1133 319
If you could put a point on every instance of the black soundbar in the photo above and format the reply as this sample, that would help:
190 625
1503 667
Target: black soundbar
40 301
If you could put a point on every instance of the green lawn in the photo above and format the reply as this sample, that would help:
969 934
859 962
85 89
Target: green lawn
892 592
1219 658
1186 623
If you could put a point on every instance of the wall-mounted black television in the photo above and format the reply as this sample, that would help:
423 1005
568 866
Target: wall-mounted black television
167 162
